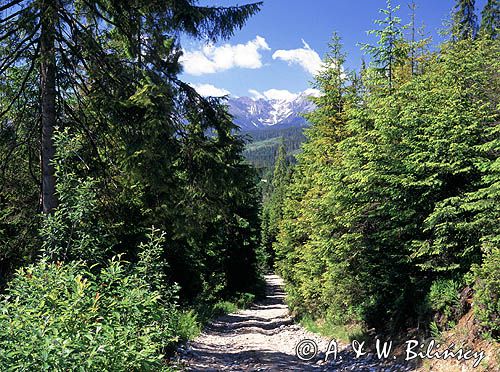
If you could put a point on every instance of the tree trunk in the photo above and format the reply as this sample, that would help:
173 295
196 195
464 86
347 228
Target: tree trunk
48 102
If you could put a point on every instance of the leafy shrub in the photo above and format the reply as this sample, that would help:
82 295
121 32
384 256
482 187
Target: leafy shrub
244 300
152 265
206 311
444 300
487 296
62 317
74 230
435 332
328 328
188 326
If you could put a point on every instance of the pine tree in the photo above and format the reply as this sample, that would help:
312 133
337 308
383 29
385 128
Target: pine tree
490 19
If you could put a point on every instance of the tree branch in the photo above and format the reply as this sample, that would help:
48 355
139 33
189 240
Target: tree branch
9 5
23 84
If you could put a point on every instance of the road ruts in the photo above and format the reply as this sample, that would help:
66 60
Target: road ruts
263 338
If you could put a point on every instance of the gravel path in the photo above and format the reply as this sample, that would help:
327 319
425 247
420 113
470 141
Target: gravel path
264 338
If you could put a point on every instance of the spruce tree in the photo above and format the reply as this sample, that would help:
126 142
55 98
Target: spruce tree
272 209
490 19
395 189
390 50
65 46
465 20
158 153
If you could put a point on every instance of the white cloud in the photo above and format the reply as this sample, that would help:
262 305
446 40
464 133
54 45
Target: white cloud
208 90
211 59
306 57
312 92
282 94
256 94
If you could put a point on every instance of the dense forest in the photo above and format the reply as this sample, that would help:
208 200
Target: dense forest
262 146
129 214
124 198
391 217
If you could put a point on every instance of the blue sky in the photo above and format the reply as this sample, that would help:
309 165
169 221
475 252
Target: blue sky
278 50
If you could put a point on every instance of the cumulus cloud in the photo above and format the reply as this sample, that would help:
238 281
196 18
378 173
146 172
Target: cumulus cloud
281 94
208 90
306 57
211 59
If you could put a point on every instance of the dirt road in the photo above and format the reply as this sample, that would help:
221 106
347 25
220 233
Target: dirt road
264 338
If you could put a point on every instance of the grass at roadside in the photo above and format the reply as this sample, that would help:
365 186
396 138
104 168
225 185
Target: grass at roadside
191 322
344 333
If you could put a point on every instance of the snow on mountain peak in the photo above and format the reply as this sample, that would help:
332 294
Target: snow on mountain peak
270 108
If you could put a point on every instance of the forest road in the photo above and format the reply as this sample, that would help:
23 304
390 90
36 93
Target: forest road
264 338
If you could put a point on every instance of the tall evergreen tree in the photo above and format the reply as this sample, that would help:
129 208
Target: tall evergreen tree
272 209
67 44
394 192
413 44
465 20
154 150
490 19
390 50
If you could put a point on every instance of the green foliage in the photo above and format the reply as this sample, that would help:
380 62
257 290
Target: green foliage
205 312
74 230
59 317
333 330
487 287
394 189
272 206
444 300
443 295
263 145
19 185
152 266
435 331
391 49
465 20
137 147
490 19
188 325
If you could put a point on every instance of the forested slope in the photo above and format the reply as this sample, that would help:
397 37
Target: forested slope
262 146
390 218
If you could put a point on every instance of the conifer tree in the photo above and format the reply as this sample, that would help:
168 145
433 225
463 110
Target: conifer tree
395 189
490 19
65 46
390 50
307 250
413 8
272 209
158 153
465 20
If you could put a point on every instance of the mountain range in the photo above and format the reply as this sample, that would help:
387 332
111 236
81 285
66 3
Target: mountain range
253 114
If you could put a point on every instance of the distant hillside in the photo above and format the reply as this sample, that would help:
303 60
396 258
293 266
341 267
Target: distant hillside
263 145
